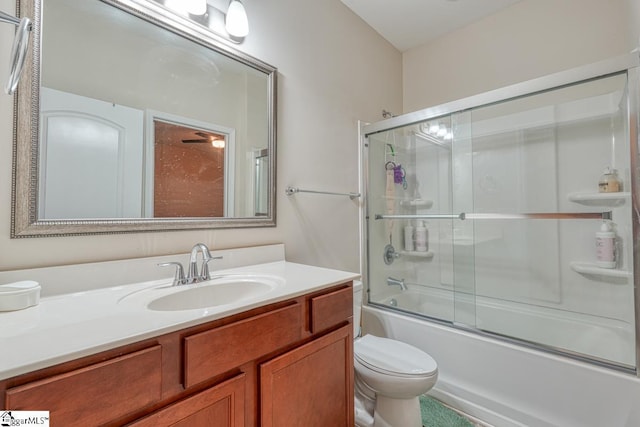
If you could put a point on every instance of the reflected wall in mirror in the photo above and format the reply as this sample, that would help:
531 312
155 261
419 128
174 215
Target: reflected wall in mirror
130 124
190 163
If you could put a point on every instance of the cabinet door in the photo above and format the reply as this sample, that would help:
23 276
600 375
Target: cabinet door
310 386
218 406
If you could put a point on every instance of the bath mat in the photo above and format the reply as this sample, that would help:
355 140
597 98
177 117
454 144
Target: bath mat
435 414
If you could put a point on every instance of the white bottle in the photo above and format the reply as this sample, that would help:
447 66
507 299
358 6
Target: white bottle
408 238
606 246
422 237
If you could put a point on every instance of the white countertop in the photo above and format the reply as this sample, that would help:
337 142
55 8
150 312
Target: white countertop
68 326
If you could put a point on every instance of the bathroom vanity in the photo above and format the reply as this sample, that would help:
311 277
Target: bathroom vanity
284 359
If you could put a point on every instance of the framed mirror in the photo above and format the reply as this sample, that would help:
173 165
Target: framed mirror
132 118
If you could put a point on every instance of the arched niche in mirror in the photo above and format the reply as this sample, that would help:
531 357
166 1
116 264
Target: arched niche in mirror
108 84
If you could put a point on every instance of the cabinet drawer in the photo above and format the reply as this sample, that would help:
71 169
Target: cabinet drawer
219 350
218 406
97 393
331 309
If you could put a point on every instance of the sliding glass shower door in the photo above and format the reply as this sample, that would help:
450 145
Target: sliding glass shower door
508 197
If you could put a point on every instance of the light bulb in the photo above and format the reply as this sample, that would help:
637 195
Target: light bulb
433 129
442 131
235 21
196 7
217 143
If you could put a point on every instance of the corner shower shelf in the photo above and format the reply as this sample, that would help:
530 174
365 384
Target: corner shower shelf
417 203
600 199
410 203
593 270
426 255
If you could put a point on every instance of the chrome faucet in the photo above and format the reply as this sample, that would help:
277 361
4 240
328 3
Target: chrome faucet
192 275
396 282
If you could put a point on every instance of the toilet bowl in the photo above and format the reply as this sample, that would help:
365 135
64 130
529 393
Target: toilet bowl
389 378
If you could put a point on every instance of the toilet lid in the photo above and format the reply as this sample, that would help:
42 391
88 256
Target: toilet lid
394 357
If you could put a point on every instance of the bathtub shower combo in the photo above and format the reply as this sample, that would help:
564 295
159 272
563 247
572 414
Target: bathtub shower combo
483 217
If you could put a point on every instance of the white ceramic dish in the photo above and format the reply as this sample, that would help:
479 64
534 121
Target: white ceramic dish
19 295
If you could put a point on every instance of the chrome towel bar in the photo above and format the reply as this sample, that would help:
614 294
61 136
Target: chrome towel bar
9 19
293 190
18 50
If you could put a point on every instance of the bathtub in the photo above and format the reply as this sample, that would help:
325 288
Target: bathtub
600 338
505 384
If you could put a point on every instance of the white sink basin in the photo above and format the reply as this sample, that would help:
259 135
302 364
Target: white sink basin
224 290
211 294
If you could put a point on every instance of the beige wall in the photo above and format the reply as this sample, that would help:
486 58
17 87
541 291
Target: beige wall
328 62
529 39
633 19
334 71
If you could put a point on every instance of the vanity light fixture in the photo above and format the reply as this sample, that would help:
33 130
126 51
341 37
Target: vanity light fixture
231 24
196 7
235 21
192 7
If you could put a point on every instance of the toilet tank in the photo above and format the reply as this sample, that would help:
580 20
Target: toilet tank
357 306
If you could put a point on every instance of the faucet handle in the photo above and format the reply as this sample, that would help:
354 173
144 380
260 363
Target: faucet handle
204 272
178 278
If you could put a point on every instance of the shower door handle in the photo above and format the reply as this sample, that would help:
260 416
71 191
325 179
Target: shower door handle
482 216
432 216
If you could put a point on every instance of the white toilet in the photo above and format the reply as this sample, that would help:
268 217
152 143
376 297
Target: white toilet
389 377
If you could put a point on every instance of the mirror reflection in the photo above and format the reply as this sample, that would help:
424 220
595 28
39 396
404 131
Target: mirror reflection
140 122
188 162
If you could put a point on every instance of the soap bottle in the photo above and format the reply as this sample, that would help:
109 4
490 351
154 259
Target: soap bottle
408 238
609 181
606 246
422 237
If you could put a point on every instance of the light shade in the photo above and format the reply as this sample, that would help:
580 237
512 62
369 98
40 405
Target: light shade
195 7
235 21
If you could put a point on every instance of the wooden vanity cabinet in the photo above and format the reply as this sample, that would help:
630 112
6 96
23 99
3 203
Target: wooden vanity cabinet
286 364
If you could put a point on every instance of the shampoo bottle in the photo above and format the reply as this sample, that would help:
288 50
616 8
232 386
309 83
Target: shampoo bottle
422 237
606 246
609 181
408 238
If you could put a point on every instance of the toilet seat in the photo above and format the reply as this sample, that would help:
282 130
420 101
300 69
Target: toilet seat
391 357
